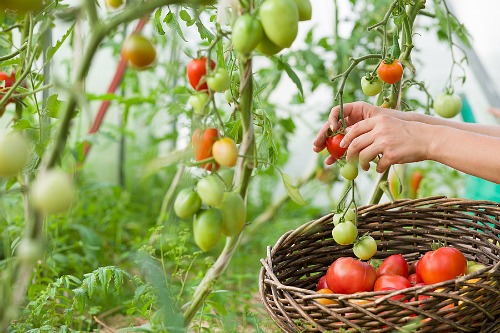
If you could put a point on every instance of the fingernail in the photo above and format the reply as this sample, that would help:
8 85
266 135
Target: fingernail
342 144
332 128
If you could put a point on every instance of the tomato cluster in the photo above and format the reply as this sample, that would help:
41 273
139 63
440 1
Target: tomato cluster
348 275
216 151
214 208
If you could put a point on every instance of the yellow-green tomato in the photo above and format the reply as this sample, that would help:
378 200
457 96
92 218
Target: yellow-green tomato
227 175
349 171
345 233
471 268
207 228
447 105
198 102
371 86
280 20
114 4
247 33
234 214
219 80
305 9
365 247
225 152
21 5
29 251
350 215
187 203
267 47
14 152
211 190
52 192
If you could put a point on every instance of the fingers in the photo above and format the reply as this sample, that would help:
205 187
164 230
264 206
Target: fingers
319 142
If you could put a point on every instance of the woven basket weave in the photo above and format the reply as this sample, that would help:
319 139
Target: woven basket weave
470 303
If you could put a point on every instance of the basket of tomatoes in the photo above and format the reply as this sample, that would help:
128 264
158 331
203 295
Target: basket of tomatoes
435 268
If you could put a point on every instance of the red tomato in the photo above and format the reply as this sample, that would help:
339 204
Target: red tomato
348 276
391 281
202 144
394 298
414 279
322 283
394 264
390 72
196 71
333 146
9 81
412 268
445 263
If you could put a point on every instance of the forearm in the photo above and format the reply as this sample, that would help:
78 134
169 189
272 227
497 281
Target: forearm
472 153
492 130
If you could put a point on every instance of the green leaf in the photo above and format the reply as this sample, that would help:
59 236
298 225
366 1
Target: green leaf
172 23
157 22
53 106
184 15
22 124
53 49
292 75
292 190
204 32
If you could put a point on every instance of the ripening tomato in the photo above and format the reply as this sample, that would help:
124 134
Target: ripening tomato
115 4
21 5
225 152
371 86
345 233
14 153
390 71
9 81
247 33
139 51
52 192
365 247
333 146
202 144
187 203
280 20
443 264
267 47
415 180
414 279
196 71
199 102
394 264
234 214
394 281
447 105
325 301
219 80
348 276
349 171
322 283
207 226
211 190
305 9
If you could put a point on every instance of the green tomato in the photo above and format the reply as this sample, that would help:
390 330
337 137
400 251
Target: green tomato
14 153
305 9
475 267
227 175
280 20
219 80
349 171
21 5
198 102
234 214
207 227
365 247
247 33
211 190
350 215
447 106
345 233
29 251
52 192
337 218
371 87
267 47
187 203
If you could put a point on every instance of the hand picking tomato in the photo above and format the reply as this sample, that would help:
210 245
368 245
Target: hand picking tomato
348 276
322 283
247 33
394 264
139 51
365 247
202 144
447 105
445 263
391 281
333 146
196 71
391 71
371 86
225 152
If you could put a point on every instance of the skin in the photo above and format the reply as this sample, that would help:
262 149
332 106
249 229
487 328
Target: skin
403 137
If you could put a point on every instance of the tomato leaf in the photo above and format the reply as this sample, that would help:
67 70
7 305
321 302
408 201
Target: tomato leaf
53 106
162 162
157 22
292 75
53 49
292 190
172 23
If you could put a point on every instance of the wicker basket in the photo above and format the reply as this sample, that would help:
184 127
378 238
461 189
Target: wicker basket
468 304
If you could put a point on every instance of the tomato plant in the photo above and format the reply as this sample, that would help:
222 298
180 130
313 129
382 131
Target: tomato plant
394 264
365 247
390 71
211 190
445 263
349 171
219 80
234 213
371 86
333 146
187 203
52 192
196 71
207 228
447 105
225 152
247 33
345 233
348 276
391 281
139 51
14 152
202 144
280 21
